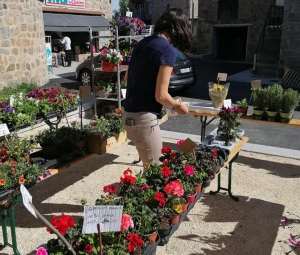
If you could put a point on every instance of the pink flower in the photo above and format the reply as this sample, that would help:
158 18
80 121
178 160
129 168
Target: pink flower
189 170
143 187
179 142
88 248
41 251
174 188
126 222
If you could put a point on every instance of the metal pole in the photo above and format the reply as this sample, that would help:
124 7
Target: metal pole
118 71
92 72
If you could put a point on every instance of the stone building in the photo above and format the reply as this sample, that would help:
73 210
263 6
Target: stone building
22 48
22 34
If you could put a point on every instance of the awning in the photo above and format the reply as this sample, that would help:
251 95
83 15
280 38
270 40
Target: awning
54 22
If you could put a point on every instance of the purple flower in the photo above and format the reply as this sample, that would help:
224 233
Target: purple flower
293 241
49 173
45 175
38 179
143 187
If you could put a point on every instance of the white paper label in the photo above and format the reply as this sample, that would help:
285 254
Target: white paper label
4 130
227 103
124 93
26 199
109 218
11 101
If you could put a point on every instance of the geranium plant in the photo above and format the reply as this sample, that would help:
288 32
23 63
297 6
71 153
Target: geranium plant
127 24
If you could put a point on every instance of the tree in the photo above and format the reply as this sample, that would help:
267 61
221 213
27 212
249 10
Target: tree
123 6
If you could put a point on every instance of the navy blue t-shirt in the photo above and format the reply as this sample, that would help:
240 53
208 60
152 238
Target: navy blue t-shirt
147 56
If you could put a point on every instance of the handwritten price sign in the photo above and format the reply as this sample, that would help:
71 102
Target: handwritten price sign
109 218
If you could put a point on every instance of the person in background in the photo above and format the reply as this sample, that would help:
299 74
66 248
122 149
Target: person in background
148 77
67 42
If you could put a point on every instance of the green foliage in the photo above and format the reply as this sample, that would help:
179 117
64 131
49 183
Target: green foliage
260 99
23 88
290 100
242 103
274 97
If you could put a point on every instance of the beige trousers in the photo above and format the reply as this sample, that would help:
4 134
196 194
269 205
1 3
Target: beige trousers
143 130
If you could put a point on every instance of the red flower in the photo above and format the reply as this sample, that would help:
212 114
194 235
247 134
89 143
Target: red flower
160 197
165 162
128 171
166 150
4 151
173 156
14 163
2 182
128 179
118 111
166 172
62 224
174 188
134 241
13 170
179 142
21 180
111 189
88 248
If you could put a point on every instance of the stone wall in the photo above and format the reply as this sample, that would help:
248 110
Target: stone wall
290 40
22 48
102 5
250 12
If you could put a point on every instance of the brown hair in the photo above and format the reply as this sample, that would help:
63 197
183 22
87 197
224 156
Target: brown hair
176 24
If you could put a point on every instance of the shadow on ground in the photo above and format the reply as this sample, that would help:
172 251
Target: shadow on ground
278 169
255 231
46 189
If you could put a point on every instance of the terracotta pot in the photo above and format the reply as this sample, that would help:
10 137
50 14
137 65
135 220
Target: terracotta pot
244 111
198 188
175 219
185 207
151 237
107 66
192 198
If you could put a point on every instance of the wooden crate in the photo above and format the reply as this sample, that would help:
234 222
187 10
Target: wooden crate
97 144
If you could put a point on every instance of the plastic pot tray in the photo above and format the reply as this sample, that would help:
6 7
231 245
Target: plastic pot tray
202 107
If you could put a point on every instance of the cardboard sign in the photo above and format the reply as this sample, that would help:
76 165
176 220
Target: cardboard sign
26 198
84 92
222 77
187 146
109 218
59 89
227 103
255 84
4 130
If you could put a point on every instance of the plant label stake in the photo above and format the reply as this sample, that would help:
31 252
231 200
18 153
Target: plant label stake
100 237
84 92
221 77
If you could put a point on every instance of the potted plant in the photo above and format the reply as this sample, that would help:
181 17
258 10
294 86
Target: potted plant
103 84
243 105
290 100
260 102
110 58
197 179
189 191
229 125
49 143
274 97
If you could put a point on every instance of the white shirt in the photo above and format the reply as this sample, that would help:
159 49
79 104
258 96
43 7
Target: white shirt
67 41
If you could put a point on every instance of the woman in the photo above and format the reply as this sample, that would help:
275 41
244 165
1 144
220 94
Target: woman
148 79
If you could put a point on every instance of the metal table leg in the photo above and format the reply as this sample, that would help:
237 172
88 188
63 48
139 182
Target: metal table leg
8 210
228 189
204 123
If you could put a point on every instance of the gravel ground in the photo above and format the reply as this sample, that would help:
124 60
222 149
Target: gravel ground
268 188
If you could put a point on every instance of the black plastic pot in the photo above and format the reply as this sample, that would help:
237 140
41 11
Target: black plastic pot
206 182
164 232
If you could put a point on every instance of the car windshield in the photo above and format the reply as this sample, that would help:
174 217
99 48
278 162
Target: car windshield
180 56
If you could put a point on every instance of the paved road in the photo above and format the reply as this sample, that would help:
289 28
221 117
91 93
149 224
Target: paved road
263 134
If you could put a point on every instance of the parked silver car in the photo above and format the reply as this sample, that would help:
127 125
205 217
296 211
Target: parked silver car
182 76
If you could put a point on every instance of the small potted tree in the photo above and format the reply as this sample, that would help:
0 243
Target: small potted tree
260 102
290 100
274 97
243 105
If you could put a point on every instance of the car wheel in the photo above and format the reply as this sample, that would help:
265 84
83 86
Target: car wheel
85 77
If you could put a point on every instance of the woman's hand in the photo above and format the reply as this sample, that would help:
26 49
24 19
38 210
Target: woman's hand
183 109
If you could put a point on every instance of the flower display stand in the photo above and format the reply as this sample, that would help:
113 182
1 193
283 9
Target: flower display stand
8 202
100 145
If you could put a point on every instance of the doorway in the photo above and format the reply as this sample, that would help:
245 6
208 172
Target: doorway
230 43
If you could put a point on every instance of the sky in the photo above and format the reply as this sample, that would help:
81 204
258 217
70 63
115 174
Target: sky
114 5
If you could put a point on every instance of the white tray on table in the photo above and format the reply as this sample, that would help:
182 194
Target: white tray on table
202 107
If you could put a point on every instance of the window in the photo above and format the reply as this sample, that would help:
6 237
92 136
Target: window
228 9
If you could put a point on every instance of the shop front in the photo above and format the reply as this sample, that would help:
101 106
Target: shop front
76 26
